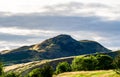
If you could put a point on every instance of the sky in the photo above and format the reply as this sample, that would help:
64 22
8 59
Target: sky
27 22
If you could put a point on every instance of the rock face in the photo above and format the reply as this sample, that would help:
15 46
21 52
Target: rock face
56 47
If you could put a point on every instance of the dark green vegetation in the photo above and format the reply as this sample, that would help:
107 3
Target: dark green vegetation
96 62
105 62
63 67
45 71
56 47
117 63
84 63
1 69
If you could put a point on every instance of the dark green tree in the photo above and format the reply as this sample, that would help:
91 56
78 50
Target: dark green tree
84 63
63 67
46 71
104 62
116 64
35 73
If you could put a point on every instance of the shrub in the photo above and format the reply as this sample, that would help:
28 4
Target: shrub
63 67
84 63
46 71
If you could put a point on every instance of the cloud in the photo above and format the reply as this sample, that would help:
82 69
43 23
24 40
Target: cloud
36 24
84 9
92 21
24 32
5 45
80 8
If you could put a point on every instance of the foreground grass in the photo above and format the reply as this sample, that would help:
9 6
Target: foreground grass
101 73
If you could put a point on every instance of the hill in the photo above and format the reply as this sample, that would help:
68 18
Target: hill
56 47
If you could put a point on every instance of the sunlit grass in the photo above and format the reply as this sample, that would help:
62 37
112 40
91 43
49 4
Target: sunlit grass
101 73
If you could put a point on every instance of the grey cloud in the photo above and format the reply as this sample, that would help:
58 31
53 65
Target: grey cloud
59 23
98 5
2 14
13 38
15 41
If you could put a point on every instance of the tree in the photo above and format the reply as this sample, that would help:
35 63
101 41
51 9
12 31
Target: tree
35 73
46 71
104 62
63 67
84 63
116 63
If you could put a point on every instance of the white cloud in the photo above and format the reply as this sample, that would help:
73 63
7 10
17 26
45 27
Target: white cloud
104 11
114 48
24 32
6 45
28 6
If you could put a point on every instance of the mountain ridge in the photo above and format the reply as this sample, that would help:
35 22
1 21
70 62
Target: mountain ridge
59 46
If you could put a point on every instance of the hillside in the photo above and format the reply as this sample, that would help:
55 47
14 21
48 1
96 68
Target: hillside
24 68
56 47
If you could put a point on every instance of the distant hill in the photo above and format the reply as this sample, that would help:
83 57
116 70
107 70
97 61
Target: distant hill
56 47
113 54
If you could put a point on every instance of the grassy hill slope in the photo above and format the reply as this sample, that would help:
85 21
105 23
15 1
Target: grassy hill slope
100 73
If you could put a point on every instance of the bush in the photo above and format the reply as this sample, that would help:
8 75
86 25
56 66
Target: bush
63 67
84 63
104 62
46 71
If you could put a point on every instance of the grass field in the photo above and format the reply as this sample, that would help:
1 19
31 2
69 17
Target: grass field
101 73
